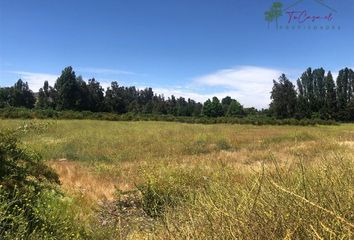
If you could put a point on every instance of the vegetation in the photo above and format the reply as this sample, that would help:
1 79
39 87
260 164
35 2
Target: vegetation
17 96
23 113
160 180
31 206
165 180
316 97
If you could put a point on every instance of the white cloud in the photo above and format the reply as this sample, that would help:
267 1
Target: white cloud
36 80
202 97
249 84
177 92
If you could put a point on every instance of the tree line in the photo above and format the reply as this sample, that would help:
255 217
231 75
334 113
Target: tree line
71 92
317 96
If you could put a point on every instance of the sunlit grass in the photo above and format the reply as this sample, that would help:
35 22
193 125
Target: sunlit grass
207 181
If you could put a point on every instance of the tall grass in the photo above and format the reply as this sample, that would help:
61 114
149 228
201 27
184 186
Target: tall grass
201 181
312 202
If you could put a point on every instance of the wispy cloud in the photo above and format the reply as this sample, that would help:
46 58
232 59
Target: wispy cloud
178 92
246 100
36 80
249 84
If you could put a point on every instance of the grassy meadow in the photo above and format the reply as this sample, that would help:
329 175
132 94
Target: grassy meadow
164 180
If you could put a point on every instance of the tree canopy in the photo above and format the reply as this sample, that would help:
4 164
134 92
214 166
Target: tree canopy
317 95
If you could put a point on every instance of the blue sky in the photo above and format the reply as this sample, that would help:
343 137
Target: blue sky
190 48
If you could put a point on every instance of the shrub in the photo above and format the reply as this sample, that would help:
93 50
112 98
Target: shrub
23 113
31 205
169 189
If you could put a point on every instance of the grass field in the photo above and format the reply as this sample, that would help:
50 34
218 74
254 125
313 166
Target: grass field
159 180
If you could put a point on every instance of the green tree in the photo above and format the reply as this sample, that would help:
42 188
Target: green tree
302 106
331 98
319 90
83 98
283 97
68 90
213 108
306 100
343 88
114 99
95 96
18 96
46 96
235 109
225 102
5 97
182 107
207 108
350 111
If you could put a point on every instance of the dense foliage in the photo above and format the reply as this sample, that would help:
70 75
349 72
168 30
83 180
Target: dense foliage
24 113
30 205
17 96
316 96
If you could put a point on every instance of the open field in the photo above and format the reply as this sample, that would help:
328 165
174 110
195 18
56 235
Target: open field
164 180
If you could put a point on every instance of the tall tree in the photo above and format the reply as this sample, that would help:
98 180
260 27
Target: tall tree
68 90
46 97
331 98
182 107
18 95
319 90
114 100
235 109
213 108
95 96
302 105
5 96
22 96
225 102
343 88
283 97
307 97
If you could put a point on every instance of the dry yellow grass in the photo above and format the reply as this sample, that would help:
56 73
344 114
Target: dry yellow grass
78 179
102 157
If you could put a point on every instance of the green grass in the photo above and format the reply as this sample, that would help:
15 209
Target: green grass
86 140
215 181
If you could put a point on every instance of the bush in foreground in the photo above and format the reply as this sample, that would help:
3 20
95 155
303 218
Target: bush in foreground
31 207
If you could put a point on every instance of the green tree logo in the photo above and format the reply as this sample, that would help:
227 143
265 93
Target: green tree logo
274 13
